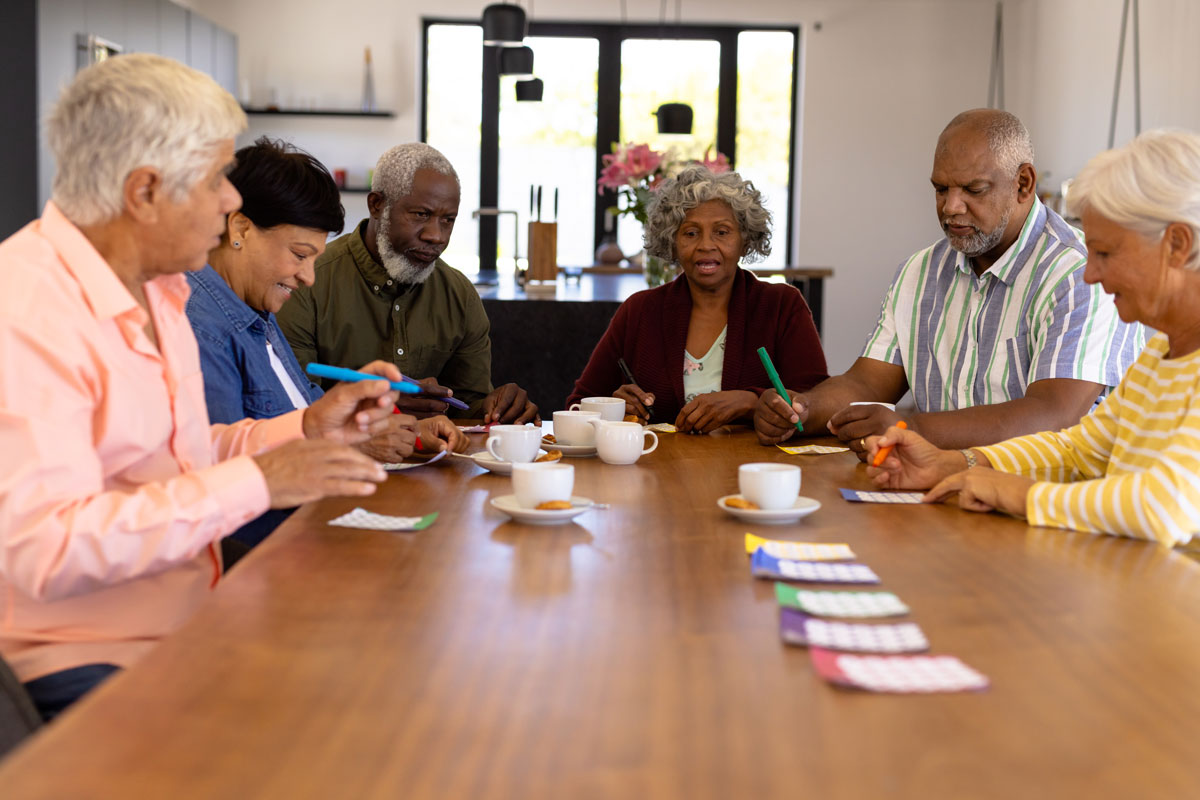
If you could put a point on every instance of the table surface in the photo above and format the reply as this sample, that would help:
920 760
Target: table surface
631 654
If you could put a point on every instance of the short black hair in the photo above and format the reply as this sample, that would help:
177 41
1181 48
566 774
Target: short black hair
281 184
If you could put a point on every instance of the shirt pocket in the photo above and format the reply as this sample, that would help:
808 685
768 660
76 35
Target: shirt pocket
1019 359
266 403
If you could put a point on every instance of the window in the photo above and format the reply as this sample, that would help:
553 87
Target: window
602 84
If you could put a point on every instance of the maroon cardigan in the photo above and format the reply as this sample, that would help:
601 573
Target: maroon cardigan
649 331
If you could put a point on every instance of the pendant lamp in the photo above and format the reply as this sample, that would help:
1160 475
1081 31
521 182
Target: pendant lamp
530 91
674 118
503 25
517 61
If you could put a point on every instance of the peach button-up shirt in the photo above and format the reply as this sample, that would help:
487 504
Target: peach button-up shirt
114 487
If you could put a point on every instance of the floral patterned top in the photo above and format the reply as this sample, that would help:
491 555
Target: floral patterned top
703 375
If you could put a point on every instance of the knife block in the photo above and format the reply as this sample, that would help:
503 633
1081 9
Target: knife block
543 251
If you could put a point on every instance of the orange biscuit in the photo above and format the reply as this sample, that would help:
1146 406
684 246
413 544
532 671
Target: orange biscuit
549 439
631 418
738 502
553 455
554 505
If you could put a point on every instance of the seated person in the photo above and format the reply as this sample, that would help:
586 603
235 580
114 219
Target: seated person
382 292
1130 467
691 344
992 329
115 490
290 205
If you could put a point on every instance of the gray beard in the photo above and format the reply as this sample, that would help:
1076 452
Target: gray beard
398 266
978 243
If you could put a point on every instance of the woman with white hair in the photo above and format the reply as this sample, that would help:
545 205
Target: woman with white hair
1130 468
115 491
691 344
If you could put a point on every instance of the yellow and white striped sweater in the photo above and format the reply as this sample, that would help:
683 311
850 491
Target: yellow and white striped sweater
1132 467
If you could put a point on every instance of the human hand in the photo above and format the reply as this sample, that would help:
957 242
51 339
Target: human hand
353 412
637 402
395 443
508 404
854 423
775 420
984 489
913 462
419 406
710 411
309 469
439 433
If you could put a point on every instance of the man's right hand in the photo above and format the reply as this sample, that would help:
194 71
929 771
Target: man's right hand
419 406
309 469
775 420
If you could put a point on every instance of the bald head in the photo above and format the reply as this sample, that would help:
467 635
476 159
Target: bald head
1007 138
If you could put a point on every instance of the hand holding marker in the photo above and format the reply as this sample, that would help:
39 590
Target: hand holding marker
775 381
406 386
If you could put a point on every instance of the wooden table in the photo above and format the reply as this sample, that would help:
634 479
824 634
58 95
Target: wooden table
631 655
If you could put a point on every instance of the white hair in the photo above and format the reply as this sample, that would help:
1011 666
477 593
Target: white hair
1145 186
395 170
131 111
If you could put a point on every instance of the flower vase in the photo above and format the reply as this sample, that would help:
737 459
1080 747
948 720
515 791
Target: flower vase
658 270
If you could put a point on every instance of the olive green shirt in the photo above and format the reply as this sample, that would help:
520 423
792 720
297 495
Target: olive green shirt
355 313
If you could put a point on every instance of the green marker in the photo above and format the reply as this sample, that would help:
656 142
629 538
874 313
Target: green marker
774 376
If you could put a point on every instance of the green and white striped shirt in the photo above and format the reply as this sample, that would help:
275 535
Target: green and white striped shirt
967 340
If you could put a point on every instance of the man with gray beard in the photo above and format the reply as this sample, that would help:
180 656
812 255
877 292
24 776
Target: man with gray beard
383 289
992 329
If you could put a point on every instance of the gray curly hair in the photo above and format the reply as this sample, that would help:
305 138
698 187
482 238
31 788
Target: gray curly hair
697 185
395 169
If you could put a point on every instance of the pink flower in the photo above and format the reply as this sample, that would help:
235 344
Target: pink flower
717 164
628 166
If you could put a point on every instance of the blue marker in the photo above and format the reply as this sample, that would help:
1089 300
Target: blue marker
407 386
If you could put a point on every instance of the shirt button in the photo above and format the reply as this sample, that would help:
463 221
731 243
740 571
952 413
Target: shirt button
400 351
389 283
377 288
397 306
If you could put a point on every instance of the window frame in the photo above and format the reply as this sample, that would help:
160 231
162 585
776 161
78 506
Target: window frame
608 106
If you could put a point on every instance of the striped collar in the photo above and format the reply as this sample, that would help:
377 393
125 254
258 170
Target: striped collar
1009 264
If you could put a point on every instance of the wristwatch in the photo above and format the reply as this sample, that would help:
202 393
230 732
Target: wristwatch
969 455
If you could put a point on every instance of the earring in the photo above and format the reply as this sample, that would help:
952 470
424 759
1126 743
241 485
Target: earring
237 244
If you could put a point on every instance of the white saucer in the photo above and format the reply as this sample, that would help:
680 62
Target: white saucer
573 450
484 459
507 504
802 508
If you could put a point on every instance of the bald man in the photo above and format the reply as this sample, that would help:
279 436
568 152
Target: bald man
992 328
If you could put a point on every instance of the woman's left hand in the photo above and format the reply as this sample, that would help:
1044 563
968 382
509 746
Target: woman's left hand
984 489
710 411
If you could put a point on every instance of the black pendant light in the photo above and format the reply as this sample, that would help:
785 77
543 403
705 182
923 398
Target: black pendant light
503 25
674 118
530 91
517 61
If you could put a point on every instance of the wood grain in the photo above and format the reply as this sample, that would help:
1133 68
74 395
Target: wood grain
630 654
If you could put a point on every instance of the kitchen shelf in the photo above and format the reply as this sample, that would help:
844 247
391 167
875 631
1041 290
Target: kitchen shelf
298 112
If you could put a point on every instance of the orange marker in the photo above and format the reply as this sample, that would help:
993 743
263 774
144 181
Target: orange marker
885 452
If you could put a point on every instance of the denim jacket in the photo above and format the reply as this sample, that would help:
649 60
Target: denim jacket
238 379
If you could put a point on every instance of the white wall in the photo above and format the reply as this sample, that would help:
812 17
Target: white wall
880 79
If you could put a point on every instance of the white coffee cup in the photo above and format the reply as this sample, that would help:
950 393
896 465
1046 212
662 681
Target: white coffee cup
515 443
621 442
888 406
769 485
534 484
609 408
571 428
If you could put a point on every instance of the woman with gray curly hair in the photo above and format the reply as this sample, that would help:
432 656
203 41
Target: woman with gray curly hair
691 344
1129 468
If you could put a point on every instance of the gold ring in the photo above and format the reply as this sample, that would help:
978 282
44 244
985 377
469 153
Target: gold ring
863 443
